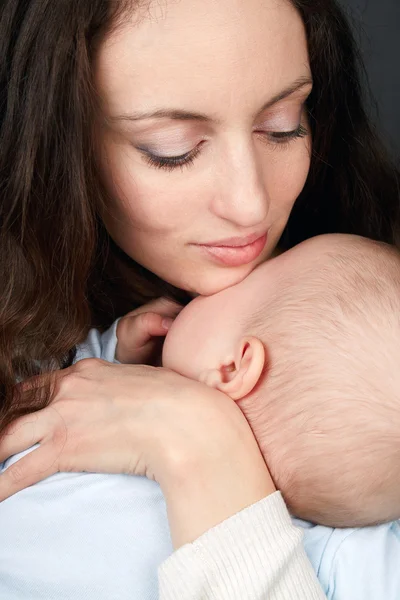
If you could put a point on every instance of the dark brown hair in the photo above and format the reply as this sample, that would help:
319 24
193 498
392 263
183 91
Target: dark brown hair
60 273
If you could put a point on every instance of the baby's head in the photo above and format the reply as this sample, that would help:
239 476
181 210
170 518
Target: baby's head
309 345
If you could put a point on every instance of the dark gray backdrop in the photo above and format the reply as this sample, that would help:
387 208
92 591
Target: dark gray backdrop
377 28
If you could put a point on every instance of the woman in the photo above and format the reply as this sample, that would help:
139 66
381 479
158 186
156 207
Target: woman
159 149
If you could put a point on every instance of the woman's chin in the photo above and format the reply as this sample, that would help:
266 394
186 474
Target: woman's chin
209 284
203 278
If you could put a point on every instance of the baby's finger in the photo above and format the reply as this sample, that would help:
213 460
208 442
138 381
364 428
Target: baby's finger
135 332
27 471
154 324
162 306
166 307
22 434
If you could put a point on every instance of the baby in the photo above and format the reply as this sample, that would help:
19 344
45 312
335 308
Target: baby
292 345
308 345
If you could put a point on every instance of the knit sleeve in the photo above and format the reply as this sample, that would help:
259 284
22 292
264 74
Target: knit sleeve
257 554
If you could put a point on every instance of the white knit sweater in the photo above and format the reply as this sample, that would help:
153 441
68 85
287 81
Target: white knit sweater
255 555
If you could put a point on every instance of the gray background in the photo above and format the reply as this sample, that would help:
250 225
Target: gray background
377 28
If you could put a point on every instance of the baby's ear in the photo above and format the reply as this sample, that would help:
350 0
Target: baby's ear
239 377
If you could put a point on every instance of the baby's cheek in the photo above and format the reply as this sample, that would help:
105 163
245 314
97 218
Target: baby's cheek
177 354
169 353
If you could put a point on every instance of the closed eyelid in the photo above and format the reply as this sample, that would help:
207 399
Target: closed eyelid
149 149
284 117
162 144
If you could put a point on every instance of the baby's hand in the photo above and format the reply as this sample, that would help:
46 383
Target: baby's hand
141 332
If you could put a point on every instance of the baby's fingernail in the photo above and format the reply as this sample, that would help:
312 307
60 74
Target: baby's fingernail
166 323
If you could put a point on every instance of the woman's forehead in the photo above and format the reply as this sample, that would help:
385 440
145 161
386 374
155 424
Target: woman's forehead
238 50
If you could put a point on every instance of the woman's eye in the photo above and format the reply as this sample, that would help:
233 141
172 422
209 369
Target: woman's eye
282 137
170 163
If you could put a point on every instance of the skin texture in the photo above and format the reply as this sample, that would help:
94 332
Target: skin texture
224 60
209 340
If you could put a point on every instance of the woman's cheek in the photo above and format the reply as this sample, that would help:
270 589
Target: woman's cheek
139 197
286 177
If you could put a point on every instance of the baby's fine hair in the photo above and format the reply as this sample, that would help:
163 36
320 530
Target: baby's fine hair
327 414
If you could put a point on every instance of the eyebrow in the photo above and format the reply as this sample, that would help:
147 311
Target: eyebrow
183 115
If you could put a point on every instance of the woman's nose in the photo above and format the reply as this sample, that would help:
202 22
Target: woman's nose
241 195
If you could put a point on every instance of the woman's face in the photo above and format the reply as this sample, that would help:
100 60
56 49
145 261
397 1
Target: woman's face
204 142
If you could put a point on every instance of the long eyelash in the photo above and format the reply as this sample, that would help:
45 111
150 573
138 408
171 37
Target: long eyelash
173 162
186 160
284 137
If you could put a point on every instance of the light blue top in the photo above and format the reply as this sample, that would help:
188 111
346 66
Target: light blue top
102 537
355 564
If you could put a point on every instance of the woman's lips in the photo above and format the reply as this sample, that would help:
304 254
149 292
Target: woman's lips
235 256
